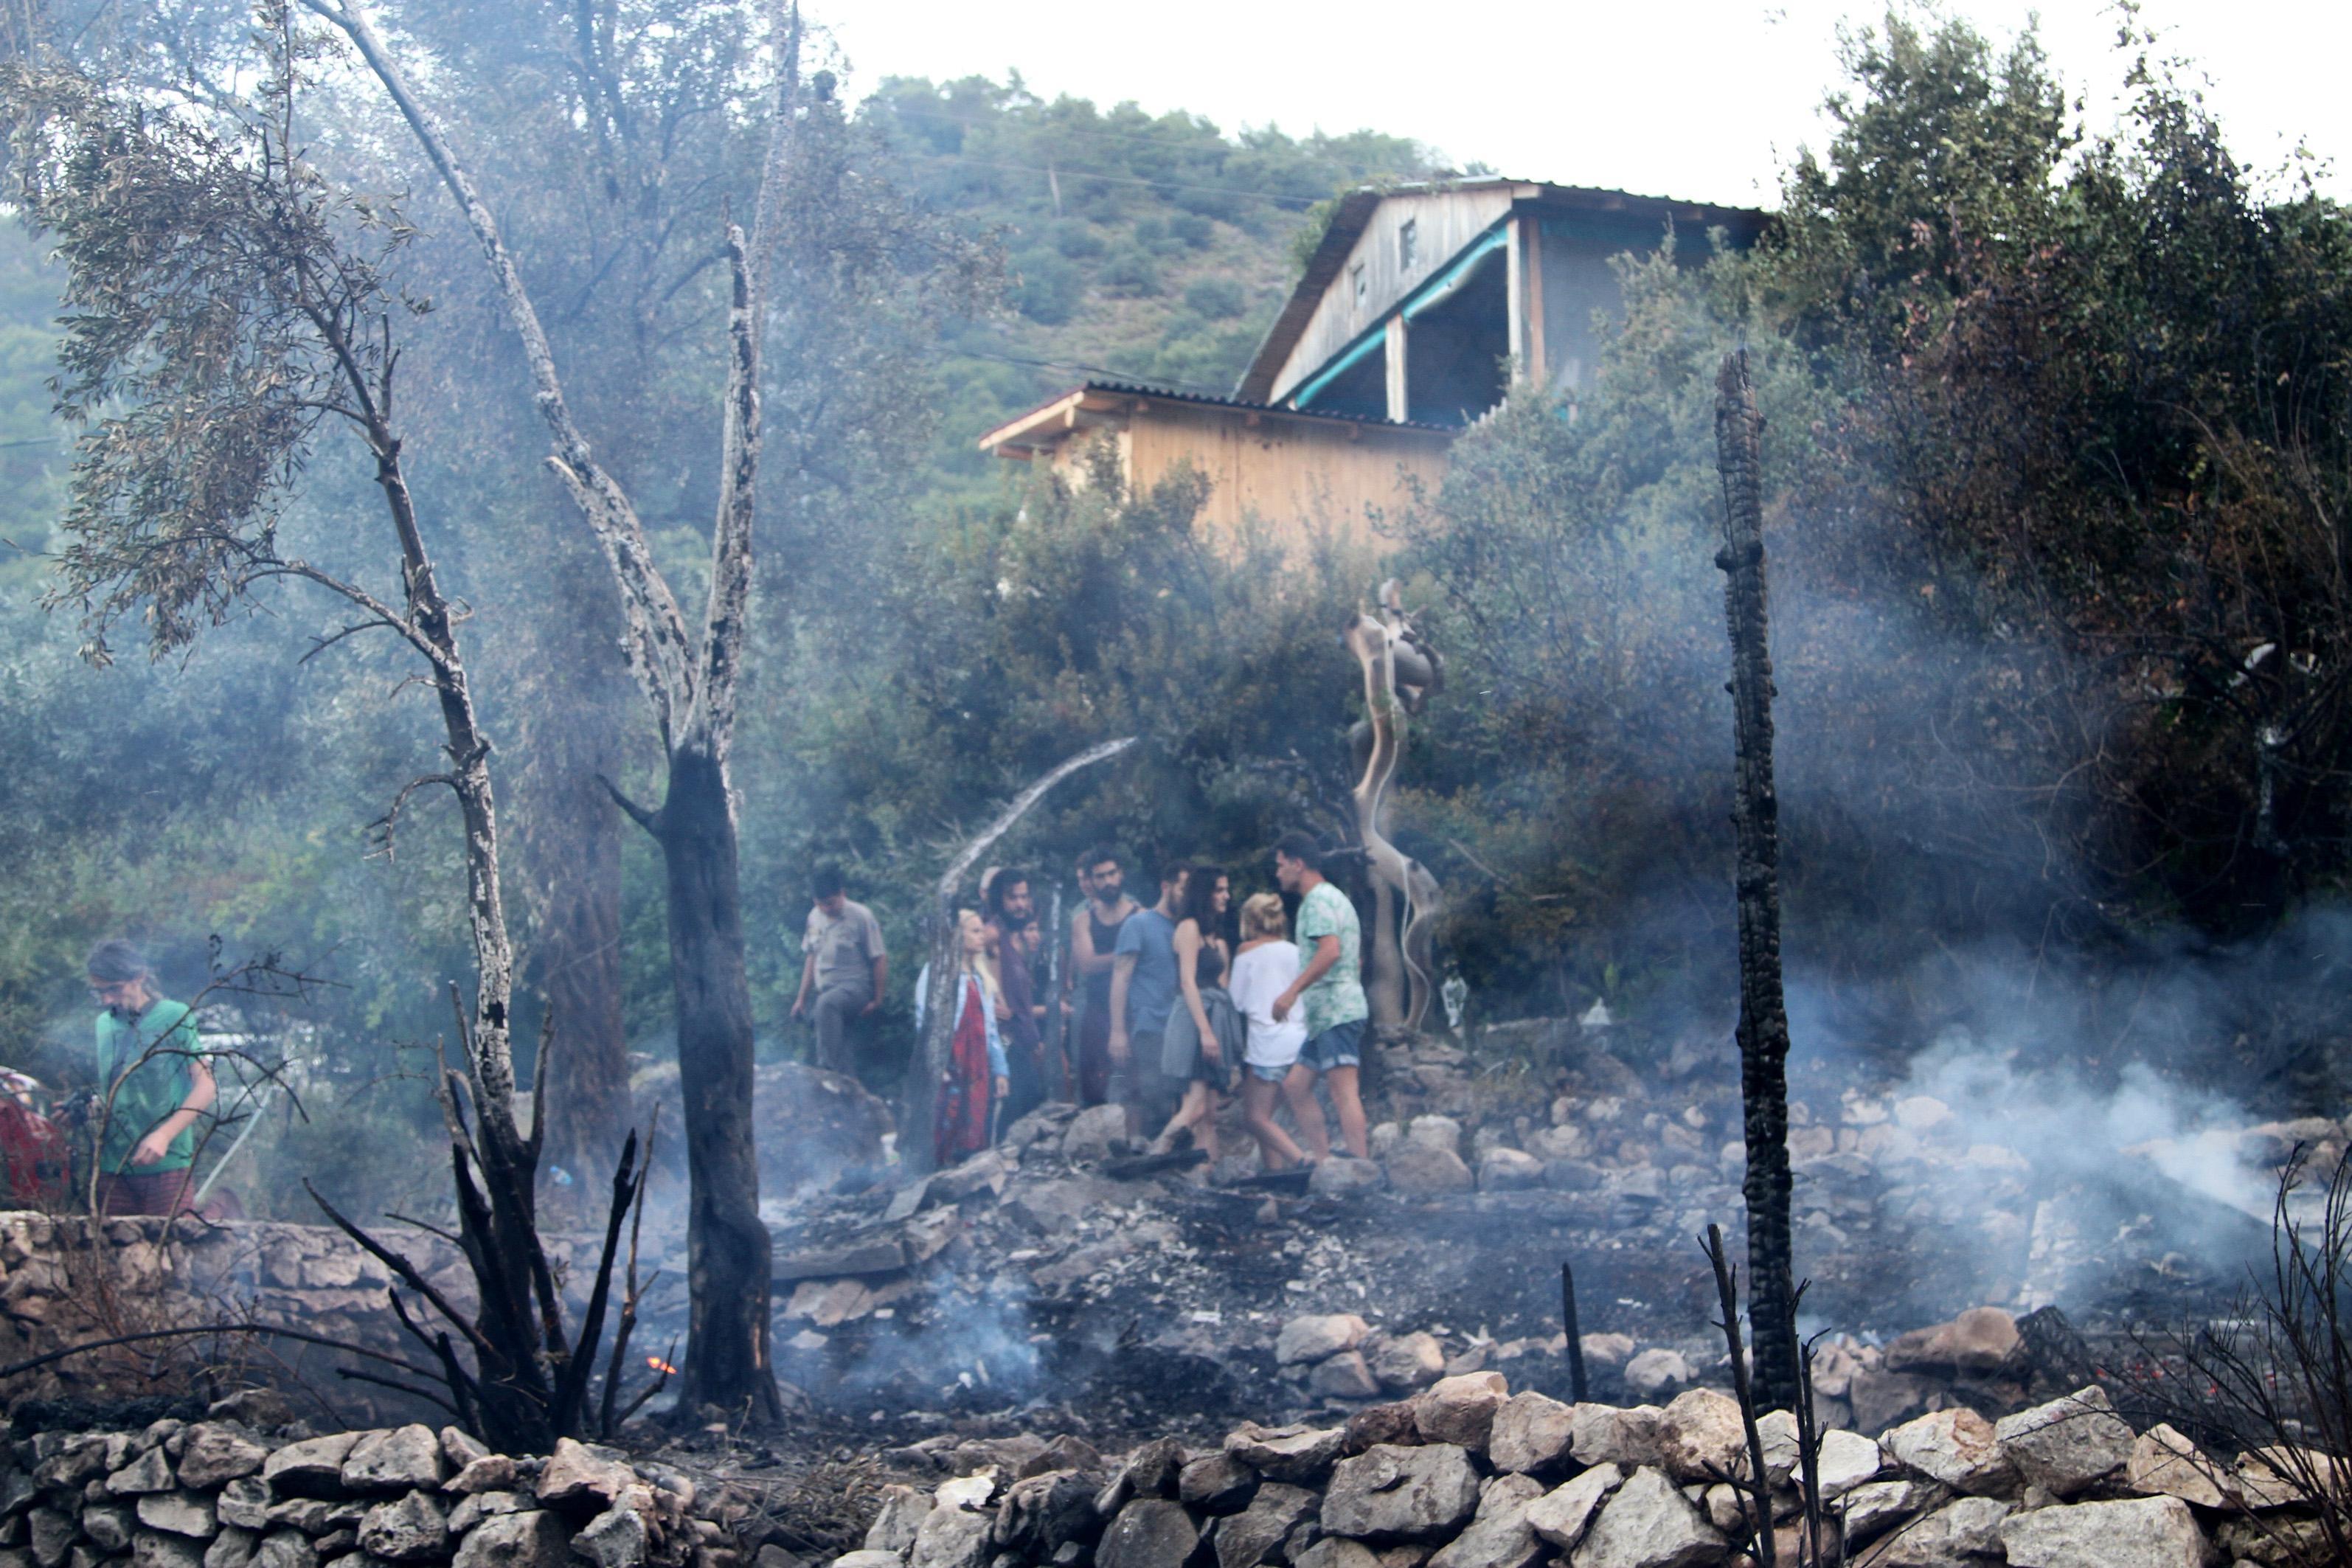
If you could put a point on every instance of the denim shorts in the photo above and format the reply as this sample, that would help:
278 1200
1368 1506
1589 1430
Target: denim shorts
1340 1045
1265 1074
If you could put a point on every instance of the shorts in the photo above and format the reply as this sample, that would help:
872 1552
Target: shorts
1340 1045
1274 1073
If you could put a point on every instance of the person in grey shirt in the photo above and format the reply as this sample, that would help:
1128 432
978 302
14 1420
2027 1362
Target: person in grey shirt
844 969
1142 994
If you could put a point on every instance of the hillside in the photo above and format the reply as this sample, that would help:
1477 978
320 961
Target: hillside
1150 248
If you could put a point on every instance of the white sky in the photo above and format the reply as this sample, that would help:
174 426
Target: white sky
1704 99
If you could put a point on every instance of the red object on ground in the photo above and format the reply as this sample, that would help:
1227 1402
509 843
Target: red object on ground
35 1166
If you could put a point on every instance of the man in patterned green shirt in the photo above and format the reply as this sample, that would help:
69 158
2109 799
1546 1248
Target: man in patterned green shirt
153 1087
1330 991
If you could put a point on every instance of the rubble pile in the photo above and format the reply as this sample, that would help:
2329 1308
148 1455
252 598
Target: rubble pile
1068 1264
225 1492
1467 1474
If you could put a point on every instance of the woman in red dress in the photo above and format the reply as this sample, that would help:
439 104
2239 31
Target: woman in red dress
977 1072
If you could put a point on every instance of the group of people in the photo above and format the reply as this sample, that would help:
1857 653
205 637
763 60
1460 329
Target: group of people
1167 1010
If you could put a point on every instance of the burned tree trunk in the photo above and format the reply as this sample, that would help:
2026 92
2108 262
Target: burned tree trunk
727 1245
571 851
1756 821
691 686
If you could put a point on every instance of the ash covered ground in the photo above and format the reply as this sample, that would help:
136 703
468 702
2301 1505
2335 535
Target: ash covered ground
1058 1283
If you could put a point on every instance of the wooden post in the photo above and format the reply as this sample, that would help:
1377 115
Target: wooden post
1756 817
1399 395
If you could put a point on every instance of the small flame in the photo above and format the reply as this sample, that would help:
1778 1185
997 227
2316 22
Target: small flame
661 1366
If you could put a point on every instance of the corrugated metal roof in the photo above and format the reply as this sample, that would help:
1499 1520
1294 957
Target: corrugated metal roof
1144 389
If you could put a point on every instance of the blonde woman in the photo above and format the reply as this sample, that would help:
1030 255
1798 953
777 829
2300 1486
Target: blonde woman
1264 967
977 1071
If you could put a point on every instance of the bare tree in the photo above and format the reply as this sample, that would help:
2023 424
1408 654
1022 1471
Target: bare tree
690 683
225 304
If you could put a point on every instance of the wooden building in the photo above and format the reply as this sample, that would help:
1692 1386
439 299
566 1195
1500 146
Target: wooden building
1417 308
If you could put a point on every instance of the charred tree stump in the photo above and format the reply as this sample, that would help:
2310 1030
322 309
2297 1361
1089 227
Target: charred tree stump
1756 821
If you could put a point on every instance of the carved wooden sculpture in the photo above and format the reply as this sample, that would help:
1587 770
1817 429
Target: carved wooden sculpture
1400 672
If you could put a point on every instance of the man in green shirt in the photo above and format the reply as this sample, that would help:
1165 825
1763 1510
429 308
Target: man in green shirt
153 1087
1330 990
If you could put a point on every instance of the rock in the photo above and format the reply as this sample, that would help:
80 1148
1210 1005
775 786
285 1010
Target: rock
1216 1483
1315 1337
868 1559
1434 1133
1648 1523
1092 1132
534 1538
576 1473
1378 1424
2163 1463
1880 1398
149 1472
1607 1349
1847 1460
214 1454
1418 1170
1407 1361
953 1538
53 1534
471 1510
2146 1533
902 1514
490 1473
1152 1470
1875 1505
1701 1437
1460 1410
1250 1537
1531 1433
972 1491
1561 1516
1500 1535
408 1530
1390 1492
1509 1171
108 1528
1965 1530
1149 1532
1299 1455
1063 1452
313 1467
154 1548
1336 1552
232 1548
1973 1344
1042 1513
615 1538
1603 1434
1345 1376
291 1549
178 1513
396 1460
1956 1447
1341 1175
2066 1445
244 1502
1653 1372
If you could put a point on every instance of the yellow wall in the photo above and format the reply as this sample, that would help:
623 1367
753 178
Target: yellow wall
1296 477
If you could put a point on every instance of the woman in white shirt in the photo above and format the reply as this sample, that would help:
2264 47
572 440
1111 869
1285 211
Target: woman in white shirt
1264 967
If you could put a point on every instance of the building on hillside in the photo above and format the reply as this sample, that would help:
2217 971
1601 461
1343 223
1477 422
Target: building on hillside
1417 306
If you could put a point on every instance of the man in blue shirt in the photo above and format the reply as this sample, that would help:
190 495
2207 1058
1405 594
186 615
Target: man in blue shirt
1142 994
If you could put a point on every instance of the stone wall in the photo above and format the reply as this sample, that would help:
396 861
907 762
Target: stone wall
225 1493
65 1280
1468 1474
